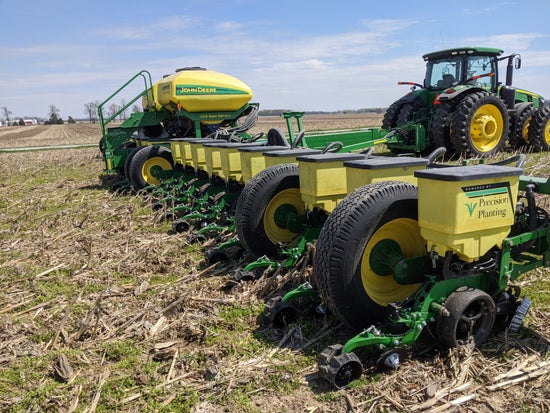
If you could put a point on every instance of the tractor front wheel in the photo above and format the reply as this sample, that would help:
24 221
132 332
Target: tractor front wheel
539 129
266 208
372 229
480 125
146 162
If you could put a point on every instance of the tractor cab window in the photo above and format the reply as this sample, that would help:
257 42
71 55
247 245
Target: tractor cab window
443 73
481 72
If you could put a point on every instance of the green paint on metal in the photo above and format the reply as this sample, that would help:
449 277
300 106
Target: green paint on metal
384 255
206 90
47 148
284 214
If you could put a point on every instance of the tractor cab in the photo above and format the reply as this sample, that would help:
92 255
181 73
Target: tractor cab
471 66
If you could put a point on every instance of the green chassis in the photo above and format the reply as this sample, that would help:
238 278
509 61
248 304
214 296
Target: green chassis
428 299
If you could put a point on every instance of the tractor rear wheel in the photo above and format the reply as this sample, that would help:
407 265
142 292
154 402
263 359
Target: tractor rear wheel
363 238
264 208
390 117
519 133
146 162
472 316
480 124
539 129
405 113
441 126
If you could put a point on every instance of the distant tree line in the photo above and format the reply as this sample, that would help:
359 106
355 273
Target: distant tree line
279 112
114 111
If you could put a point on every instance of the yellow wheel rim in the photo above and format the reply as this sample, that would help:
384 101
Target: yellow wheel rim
525 130
487 128
383 289
546 132
273 231
149 167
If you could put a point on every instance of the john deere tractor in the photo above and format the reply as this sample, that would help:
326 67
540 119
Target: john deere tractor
464 106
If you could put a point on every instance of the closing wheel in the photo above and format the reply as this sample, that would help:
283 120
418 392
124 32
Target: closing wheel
391 360
146 163
539 129
281 314
480 124
472 315
216 255
266 210
339 368
363 238
180 225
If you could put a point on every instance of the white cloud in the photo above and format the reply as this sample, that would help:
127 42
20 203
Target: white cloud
511 42
229 26
163 27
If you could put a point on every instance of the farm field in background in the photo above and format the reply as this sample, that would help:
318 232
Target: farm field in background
103 308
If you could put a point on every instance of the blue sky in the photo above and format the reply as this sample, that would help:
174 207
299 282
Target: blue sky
294 54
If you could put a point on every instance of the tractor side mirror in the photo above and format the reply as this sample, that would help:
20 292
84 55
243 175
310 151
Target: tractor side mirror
517 62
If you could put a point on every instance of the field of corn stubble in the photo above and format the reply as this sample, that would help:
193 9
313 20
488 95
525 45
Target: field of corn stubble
104 308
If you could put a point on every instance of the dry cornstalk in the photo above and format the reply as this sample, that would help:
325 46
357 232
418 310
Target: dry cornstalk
528 373
85 324
443 393
95 400
452 403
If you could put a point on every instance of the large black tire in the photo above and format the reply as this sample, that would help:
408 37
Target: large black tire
519 124
480 125
144 163
257 228
384 212
128 161
390 117
472 316
539 129
441 126
405 113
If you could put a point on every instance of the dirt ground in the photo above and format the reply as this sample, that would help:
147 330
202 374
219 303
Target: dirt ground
104 308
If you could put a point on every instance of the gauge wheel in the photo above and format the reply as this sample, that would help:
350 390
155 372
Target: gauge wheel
472 316
372 229
268 202
146 164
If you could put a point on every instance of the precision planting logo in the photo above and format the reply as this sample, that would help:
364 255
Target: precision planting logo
206 90
489 200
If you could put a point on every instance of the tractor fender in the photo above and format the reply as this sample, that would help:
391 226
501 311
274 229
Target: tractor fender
457 91
410 98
